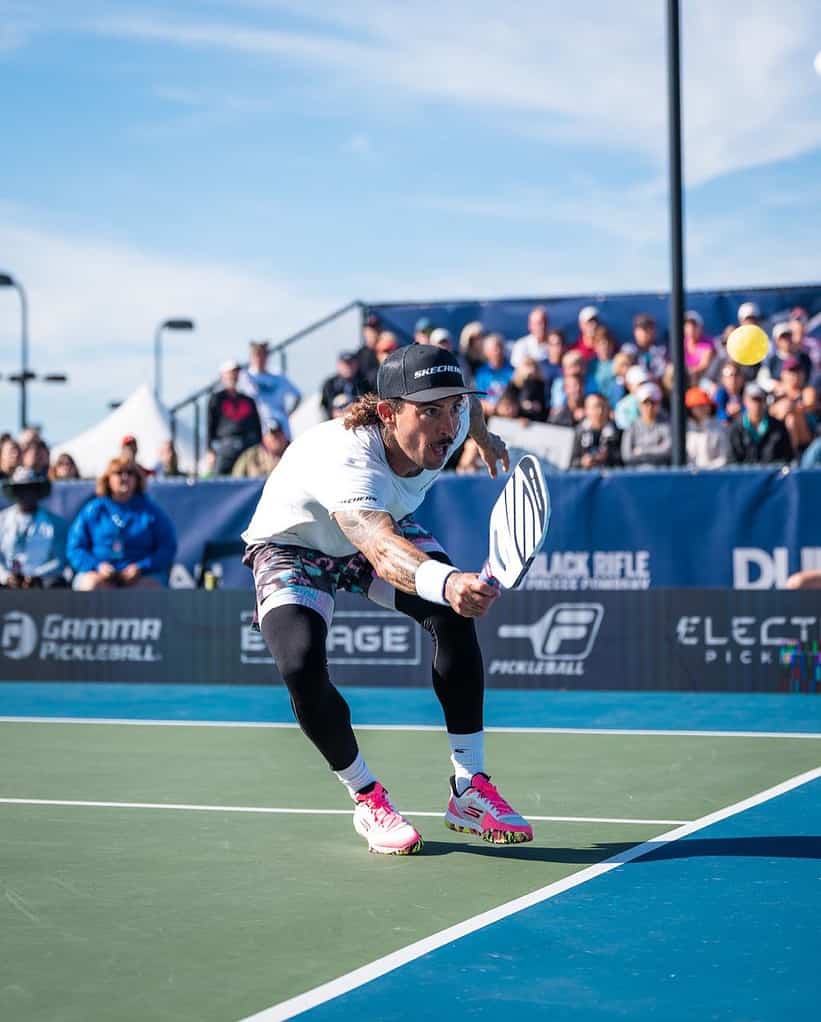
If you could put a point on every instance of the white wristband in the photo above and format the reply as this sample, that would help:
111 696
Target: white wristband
430 578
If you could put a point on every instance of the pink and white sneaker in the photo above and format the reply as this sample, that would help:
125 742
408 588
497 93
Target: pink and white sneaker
481 810
385 830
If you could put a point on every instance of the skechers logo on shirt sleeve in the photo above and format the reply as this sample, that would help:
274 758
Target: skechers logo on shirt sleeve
358 500
437 369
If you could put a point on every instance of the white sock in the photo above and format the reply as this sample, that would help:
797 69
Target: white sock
467 753
356 776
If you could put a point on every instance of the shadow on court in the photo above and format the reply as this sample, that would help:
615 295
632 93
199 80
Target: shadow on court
770 847
528 852
774 846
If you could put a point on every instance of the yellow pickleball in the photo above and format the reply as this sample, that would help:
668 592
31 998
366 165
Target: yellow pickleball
748 345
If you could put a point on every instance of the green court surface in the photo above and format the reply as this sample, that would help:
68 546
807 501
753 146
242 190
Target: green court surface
118 913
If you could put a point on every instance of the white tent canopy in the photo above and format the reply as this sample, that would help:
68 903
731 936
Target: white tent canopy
145 418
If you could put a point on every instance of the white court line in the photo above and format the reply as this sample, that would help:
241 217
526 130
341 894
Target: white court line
82 803
358 977
126 721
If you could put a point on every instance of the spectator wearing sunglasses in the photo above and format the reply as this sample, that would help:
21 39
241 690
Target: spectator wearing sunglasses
121 538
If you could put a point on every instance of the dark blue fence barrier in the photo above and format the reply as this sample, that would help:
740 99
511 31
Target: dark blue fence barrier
746 529
509 315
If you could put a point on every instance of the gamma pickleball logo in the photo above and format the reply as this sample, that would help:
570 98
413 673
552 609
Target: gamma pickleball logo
18 635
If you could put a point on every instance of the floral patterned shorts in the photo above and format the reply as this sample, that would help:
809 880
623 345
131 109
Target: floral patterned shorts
301 575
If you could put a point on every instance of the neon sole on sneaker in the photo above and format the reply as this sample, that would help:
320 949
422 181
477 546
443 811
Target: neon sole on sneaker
493 837
413 849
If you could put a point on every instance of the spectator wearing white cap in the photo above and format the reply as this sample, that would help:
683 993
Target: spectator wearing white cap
784 347
233 422
589 319
627 408
756 437
647 442
441 338
276 396
699 350
32 539
749 313
534 342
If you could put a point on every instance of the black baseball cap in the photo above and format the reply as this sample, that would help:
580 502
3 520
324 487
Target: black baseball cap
421 373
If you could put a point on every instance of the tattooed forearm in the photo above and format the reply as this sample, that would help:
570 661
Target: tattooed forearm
394 558
478 427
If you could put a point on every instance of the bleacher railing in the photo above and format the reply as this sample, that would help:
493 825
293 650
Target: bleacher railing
278 351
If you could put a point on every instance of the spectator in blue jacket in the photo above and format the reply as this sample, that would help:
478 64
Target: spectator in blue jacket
121 537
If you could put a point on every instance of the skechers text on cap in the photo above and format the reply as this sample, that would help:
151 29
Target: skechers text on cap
421 373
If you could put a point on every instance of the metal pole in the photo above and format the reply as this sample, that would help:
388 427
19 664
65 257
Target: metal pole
24 353
196 439
157 360
678 417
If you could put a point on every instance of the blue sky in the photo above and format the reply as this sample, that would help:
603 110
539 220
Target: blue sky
254 164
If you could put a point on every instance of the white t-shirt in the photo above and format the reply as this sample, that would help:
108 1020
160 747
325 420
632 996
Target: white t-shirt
527 347
329 468
275 396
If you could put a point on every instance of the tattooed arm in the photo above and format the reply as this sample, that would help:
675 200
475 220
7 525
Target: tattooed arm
395 559
491 447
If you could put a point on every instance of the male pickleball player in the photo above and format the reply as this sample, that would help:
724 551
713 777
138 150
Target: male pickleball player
336 514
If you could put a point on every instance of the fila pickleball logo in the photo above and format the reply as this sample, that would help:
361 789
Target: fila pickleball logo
18 635
560 641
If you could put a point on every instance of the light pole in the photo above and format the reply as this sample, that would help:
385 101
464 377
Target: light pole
6 280
167 324
678 413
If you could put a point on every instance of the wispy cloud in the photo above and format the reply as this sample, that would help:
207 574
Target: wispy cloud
359 145
573 74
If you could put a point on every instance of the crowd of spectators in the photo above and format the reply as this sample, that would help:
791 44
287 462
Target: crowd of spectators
615 394
736 414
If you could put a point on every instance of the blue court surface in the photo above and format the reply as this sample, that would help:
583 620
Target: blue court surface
416 706
716 925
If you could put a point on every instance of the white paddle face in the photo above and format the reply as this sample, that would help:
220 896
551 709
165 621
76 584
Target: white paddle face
518 523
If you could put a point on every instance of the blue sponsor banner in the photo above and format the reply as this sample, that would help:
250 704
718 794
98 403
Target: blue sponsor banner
509 315
743 529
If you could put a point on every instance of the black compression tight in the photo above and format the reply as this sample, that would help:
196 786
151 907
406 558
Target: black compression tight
296 638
